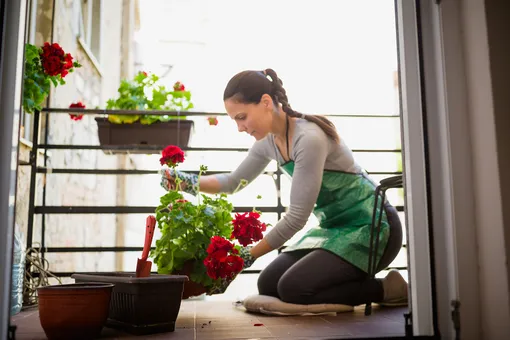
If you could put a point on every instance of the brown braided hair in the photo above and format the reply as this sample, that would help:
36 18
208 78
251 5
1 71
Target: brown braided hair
249 86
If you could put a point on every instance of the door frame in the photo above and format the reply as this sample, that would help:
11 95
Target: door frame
427 75
11 70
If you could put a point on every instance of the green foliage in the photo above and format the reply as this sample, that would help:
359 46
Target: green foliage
186 231
36 83
144 93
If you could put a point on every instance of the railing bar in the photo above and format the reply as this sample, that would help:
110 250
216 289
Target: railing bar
181 113
124 209
247 271
160 147
44 170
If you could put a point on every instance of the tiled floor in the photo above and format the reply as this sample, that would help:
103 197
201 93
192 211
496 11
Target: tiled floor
208 320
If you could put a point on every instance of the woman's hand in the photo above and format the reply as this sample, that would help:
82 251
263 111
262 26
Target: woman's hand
245 254
187 182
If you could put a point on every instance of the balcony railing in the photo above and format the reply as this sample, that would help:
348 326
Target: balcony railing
44 209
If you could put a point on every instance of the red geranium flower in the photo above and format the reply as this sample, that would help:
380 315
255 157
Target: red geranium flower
219 243
178 86
55 61
76 116
247 228
171 155
213 120
222 261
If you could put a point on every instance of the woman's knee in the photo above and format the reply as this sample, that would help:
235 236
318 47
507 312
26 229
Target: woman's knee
267 283
291 290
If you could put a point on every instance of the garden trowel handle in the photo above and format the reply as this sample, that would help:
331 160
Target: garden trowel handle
150 225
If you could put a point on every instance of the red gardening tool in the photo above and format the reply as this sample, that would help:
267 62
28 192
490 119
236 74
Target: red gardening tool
143 267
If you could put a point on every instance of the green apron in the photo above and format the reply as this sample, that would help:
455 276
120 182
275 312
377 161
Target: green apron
344 209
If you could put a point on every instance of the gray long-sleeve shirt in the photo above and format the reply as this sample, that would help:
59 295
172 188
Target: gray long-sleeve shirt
312 151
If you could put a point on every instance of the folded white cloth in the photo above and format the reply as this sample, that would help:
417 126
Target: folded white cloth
273 306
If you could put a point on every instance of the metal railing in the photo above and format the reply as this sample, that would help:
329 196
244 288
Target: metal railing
44 209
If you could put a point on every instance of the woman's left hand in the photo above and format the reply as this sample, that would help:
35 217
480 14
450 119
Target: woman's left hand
245 254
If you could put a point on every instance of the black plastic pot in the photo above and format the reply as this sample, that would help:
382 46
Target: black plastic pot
141 306
136 136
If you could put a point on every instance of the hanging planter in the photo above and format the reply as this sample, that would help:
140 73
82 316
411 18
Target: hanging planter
149 133
137 136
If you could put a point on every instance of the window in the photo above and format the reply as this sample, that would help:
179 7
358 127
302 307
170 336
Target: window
90 27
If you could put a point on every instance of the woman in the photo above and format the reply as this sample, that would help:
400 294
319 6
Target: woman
329 263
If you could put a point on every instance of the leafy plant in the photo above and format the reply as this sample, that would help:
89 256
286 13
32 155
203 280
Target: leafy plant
43 67
144 93
187 229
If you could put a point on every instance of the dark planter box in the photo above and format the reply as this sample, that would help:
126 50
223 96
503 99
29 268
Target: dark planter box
136 136
141 306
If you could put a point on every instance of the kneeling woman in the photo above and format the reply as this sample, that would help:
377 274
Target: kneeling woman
329 263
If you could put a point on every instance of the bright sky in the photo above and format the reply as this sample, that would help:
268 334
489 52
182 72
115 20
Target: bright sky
337 56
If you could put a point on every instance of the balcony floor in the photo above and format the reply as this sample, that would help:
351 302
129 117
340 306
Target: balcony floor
208 320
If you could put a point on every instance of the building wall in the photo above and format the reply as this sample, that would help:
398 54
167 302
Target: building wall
92 84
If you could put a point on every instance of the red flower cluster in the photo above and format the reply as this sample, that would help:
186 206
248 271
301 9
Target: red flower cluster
171 155
247 228
212 120
222 261
77 116
178 86
55 61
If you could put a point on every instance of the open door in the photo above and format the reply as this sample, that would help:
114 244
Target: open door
418 44
11 69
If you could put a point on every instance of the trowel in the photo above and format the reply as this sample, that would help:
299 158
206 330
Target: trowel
143 267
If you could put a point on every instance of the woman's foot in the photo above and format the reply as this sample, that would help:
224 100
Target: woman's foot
395 290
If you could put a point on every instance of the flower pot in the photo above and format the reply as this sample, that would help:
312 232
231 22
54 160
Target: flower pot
137 135
190 288
74 311
141 306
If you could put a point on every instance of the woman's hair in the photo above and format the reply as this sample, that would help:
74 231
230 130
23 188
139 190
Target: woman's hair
248 87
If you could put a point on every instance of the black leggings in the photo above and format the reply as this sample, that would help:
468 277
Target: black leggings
318 276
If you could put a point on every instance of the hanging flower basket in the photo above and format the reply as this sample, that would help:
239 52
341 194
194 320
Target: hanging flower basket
137 136
141 133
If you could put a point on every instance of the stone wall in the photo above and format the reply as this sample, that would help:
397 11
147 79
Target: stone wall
92 84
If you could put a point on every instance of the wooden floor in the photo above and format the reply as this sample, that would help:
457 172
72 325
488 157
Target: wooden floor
208 320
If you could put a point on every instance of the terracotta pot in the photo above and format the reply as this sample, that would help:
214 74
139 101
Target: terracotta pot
190 288
74 311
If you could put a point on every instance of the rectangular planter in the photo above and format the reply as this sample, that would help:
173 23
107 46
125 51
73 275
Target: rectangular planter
141 306
137 135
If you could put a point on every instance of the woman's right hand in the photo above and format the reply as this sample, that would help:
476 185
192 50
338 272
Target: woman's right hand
188 182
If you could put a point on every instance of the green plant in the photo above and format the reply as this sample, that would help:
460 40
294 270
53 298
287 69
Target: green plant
187 229
145 93
43 67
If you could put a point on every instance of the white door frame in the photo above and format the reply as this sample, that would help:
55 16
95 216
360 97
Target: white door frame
447 164
11 70
414 165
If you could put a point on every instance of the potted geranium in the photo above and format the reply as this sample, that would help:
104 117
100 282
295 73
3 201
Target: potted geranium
144 92
44 66
198 239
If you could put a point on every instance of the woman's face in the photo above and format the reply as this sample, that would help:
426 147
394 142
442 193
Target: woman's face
254 119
